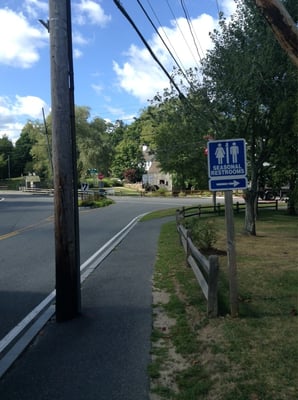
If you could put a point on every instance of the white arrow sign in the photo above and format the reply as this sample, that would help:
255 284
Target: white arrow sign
231 183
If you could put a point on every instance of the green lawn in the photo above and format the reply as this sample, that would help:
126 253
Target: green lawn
252 357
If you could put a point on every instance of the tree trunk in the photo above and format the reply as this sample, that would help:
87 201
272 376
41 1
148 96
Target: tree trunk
291 206
251 197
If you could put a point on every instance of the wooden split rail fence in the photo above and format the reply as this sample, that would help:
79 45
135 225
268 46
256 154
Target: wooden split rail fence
205 269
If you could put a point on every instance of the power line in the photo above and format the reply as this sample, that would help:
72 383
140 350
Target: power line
165 34
218 9
163 41
178 26
127 16
190 25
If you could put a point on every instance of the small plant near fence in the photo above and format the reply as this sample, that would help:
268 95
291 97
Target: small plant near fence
202 233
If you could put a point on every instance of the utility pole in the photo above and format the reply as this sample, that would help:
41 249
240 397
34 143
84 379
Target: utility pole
283 26
67 254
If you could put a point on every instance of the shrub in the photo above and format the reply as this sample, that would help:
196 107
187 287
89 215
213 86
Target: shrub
202 233
95 201
162 191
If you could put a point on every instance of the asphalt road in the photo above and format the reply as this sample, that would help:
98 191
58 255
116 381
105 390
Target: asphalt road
104 353
27 245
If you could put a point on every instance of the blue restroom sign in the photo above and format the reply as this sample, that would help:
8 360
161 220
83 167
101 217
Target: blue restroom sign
227 168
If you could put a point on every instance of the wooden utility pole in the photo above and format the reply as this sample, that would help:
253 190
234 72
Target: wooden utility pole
67 254
283 26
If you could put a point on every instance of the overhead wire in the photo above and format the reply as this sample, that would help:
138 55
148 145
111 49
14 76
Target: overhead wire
165 34
130 20
191 29
163 41
187 103
182 34
218 9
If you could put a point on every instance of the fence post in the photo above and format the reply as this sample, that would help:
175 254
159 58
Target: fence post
177 217
276 205
212 301
187 248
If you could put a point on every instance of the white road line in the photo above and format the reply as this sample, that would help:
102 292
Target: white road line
15 342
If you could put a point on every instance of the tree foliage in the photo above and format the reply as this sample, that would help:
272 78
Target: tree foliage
129 161
6 150
253 86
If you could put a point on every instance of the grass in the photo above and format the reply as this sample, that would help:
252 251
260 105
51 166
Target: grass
253 357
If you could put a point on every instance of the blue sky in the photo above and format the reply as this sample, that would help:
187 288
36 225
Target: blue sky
114 73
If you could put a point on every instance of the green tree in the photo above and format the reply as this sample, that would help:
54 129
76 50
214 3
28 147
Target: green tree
41 149
250 79
94 143
6 154
129 155
23 161
179 130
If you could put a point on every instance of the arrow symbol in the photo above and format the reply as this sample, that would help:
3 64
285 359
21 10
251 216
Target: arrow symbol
231 183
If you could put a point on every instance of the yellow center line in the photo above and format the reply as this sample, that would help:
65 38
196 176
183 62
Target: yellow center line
9 235
26 228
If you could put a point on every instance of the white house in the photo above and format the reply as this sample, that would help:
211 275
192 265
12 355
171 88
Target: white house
154 175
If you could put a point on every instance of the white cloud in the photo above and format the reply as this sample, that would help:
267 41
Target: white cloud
142 77
90 12
77 53
30 106
34 8
22 42
139 74
97 88
79 39
228 7
15 110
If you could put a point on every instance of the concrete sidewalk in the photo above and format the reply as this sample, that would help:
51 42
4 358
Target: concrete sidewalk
104 353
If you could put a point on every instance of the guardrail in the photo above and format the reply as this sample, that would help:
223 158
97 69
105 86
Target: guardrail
205 270
37 190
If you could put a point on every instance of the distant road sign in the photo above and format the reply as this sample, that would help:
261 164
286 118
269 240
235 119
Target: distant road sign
84 187
227 168
100 176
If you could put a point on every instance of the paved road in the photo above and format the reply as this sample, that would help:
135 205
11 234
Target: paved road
104 354
27 245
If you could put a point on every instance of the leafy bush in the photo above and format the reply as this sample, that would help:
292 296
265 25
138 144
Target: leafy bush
202 233
95 201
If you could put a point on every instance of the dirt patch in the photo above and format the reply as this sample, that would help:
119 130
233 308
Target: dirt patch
173 362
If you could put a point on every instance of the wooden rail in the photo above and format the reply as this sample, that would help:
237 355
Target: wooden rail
205 270
219 209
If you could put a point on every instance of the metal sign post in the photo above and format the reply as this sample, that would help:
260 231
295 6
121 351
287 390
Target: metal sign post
227 170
